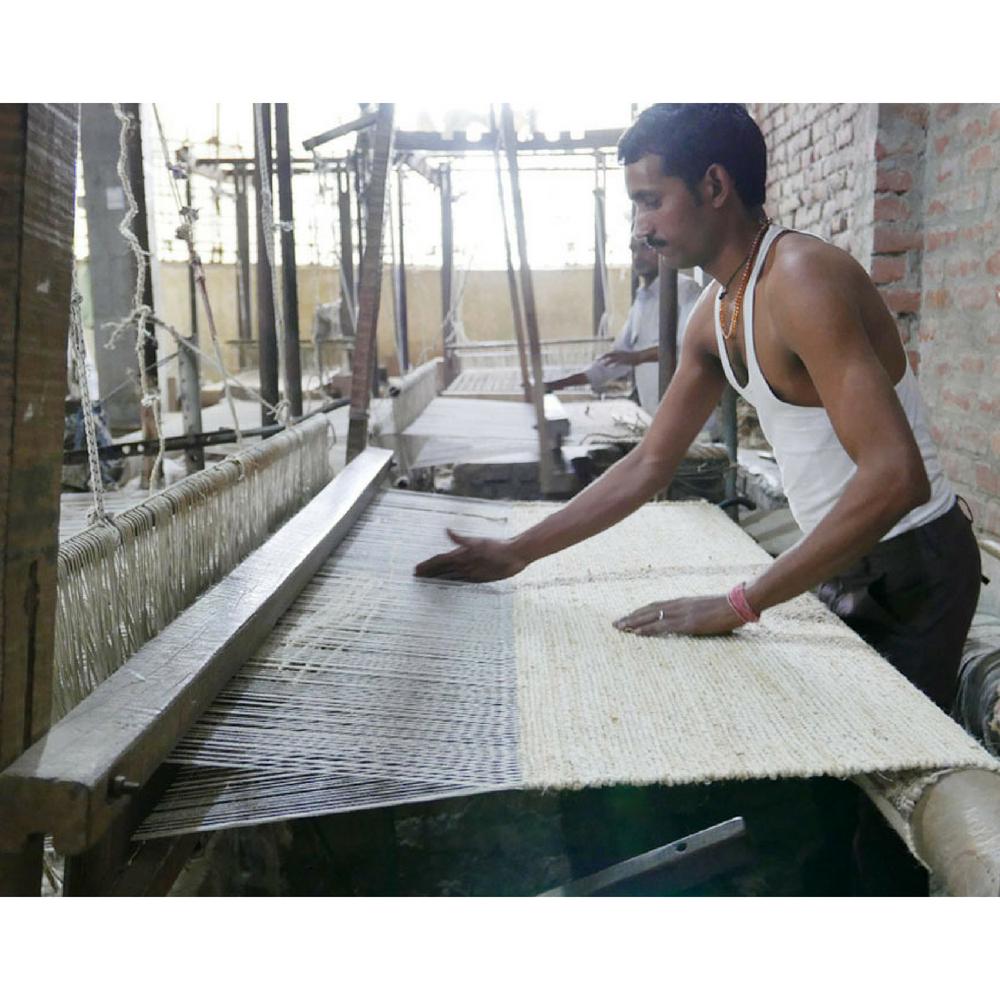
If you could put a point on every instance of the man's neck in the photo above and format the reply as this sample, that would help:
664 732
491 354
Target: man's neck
735 246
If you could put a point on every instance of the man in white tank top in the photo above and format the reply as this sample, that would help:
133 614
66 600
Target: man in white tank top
800 330
797 326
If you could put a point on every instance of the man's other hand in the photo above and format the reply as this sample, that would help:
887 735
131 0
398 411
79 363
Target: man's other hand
631 358
686 616
476 560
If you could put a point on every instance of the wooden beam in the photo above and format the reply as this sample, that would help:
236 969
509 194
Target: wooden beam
289 283
371 286
37 203
545 445
447 276
78 780
267 337
436 142
365 121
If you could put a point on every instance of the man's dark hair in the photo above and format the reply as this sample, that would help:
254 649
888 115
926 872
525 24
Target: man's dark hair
691 137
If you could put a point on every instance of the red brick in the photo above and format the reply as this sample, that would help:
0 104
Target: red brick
961 268
972 130
880 151
902 300
973 364
893 180
944 111
891 208
994 125
940 298
982 158
914 359
960 402
987 478
941 142
938 238
995 444
892 239
993 263
888 269
975 297
937 208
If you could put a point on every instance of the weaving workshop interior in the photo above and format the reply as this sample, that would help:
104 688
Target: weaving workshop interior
584 500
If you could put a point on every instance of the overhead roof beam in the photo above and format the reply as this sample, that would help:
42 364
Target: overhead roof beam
365 121
436 141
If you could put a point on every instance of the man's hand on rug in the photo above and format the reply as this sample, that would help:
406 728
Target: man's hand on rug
686 616
476 560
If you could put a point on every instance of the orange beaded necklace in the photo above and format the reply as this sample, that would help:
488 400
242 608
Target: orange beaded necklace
729 330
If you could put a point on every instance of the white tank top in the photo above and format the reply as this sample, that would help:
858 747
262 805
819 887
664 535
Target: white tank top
815 469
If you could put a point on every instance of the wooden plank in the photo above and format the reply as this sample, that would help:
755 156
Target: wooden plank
66 784
371 285
545 445
37 202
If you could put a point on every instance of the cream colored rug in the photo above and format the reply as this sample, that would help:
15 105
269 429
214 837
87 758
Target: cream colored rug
797 694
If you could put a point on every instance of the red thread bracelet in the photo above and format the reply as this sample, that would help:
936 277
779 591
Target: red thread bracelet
737 599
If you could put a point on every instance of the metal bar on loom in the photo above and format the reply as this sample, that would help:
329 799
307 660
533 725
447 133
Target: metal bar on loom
70 784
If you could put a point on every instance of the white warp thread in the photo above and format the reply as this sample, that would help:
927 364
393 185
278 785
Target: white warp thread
376 688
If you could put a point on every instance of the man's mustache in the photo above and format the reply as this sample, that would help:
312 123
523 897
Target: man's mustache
653 243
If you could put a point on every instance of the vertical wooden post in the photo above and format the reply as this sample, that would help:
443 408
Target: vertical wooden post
293 363
600 245
401 317
267 346
447 275
243 306
668 325
545 448
515 295
188 368
37 203
347 297
371 286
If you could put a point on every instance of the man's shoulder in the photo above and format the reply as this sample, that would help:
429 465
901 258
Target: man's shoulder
800 257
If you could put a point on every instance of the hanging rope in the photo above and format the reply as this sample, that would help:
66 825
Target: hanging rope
98 514
149 395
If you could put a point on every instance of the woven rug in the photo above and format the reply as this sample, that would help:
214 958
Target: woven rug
377 688
797 694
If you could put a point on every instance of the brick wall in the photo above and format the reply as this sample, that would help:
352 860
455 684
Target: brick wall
912 191
821 170
959 325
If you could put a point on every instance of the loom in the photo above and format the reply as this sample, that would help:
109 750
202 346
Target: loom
319 676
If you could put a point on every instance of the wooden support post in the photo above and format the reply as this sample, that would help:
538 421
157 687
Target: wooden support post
293 363
267 347
600 245
371 286
668 325
401 317
447 276
515 295
348 301
189 369
545 447
37 203
243 307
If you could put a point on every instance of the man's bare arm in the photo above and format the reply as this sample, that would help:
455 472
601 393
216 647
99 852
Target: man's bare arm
693 394
815 307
